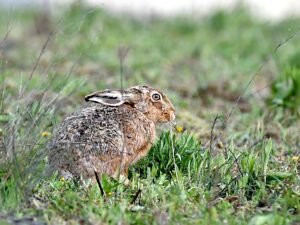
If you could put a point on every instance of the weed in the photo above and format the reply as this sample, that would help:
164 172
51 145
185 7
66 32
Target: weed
286 90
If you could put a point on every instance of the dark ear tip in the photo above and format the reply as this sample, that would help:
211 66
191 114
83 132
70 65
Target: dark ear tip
87 98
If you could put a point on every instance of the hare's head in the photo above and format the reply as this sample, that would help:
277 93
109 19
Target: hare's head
154 104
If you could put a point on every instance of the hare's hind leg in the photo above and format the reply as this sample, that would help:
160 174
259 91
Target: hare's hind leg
81 180
121 175
115 169
65 174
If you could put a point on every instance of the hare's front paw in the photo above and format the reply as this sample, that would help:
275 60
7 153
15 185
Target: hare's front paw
124 180
86 183
66 175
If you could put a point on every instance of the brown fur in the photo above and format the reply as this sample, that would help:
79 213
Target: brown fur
108 134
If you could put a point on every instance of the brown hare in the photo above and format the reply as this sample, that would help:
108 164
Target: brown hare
113 130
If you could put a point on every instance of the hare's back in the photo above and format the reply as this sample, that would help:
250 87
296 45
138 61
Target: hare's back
100 135
91 131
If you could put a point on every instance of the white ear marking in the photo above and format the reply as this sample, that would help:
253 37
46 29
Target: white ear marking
99 100
107 97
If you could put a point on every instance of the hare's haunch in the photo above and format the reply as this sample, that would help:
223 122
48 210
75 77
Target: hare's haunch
113 130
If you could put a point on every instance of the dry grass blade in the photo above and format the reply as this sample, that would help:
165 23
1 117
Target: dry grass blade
41 54
282 43
137 194
99 183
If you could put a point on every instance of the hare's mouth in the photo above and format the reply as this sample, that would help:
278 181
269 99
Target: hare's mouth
173 118
172 124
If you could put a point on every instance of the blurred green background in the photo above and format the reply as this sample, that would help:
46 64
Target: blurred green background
244 171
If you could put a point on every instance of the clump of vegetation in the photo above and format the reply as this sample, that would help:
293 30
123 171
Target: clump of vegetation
286 90
170 155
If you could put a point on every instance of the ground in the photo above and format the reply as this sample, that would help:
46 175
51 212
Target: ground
234 155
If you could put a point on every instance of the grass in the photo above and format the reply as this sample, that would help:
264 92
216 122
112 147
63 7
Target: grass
239 170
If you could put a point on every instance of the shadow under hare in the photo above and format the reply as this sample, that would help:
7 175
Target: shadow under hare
112 131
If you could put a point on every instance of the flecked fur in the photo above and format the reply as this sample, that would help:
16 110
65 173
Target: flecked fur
108 139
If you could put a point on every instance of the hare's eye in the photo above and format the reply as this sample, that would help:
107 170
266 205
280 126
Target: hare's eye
156 97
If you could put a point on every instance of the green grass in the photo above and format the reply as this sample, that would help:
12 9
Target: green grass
244 171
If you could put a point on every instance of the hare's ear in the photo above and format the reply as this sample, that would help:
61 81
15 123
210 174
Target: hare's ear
106 97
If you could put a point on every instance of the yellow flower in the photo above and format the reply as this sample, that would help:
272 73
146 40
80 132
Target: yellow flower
62 179
179 129
295 158
46 134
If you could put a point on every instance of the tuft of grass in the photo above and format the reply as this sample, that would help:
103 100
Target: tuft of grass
286 90
188 156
